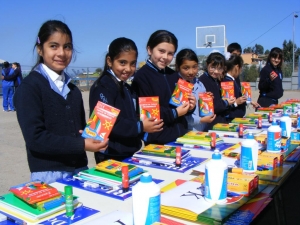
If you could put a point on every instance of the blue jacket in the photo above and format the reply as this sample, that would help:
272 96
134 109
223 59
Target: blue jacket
7 72
151 81
126 135
16 77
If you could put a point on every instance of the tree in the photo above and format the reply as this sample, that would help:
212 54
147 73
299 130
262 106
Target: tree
267 52
247 50
250 73
98 70
288 52
258 49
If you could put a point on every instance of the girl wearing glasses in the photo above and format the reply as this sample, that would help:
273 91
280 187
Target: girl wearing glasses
215 64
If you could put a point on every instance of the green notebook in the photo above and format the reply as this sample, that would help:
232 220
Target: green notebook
19 206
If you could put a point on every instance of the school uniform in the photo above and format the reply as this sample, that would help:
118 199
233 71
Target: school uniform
126 135
16 77
235 111
50 118
269 91
152 81
194 118
220 106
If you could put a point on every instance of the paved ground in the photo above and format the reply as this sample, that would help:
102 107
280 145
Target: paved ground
13 162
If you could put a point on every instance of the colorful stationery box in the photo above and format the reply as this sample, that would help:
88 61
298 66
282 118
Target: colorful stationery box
35 191
101 122
265 109
243 121
206 105
149 107
181 92
227 89
256 116
226 127
115 167
160 150
246 90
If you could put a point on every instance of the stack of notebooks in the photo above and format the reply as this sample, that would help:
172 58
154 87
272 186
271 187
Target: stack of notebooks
198 138
159 154
108 174
33 202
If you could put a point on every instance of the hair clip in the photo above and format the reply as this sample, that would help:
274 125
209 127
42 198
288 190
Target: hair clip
38 40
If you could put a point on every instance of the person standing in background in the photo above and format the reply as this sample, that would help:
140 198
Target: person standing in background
270 79
16 77
7 88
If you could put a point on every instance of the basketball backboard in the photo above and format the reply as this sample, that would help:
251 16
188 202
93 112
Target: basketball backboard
210 37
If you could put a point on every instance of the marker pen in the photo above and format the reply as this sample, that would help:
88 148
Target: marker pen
178 157
213 140
241 130
125 179
270 117
259 123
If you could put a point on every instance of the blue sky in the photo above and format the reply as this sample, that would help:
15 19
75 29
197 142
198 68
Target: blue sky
95 24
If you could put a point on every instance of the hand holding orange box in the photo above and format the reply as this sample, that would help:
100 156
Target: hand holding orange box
149 107
181 92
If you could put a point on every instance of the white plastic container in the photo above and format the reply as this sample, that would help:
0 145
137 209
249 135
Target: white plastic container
146 201
286 126
216 173
249 154
274 138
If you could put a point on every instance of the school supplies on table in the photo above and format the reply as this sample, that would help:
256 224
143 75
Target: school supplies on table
226 127
35 191
112 193
16 208
160 150
181 92
248 121
227 89
186 163
149 107
206 104
101 122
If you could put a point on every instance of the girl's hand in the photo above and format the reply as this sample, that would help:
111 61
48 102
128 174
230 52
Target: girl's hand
255 105
241 100
231 101
2 77
192 101
92 145
151 126
207 119
182 109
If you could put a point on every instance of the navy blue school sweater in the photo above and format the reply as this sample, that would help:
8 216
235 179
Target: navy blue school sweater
50 125
126 135
220 106
267 88
240 110
151 81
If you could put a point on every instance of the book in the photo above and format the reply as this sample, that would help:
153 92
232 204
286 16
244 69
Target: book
256 116
9 202
265 109
246 90
149 107
198 138
181 92
226 127
206 105
160 150
99 177
114 167
101 122
227 89
248 121
35 191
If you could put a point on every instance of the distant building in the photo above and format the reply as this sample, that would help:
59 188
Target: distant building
253 58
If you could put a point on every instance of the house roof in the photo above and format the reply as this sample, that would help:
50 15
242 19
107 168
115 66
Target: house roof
2 61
